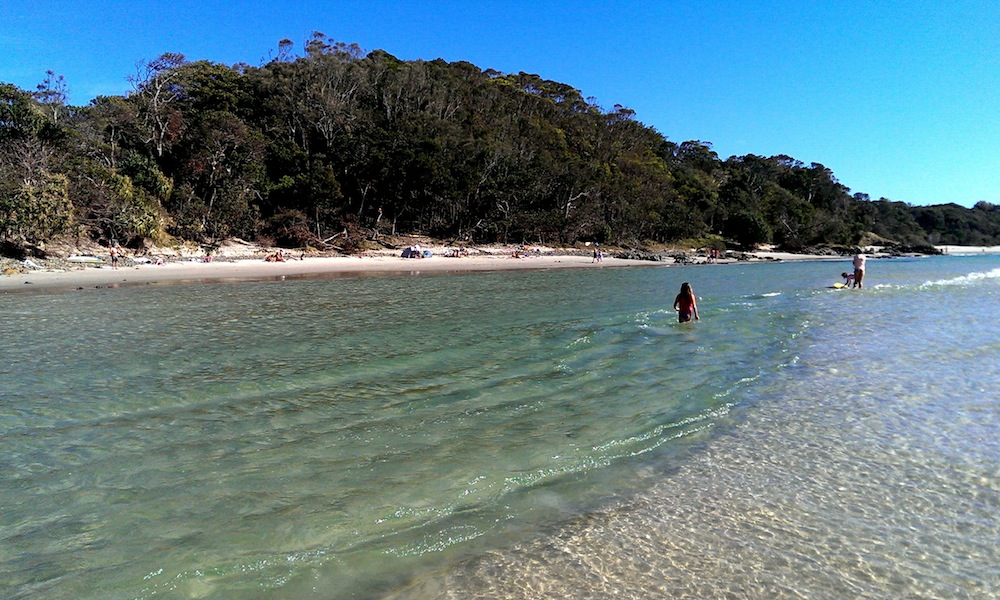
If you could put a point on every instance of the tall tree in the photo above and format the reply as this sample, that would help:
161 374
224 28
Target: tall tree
156 92
52 94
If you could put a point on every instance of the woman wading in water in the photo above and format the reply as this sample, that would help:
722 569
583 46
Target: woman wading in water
686 305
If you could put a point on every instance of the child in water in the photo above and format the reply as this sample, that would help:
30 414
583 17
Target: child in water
848 278
685 304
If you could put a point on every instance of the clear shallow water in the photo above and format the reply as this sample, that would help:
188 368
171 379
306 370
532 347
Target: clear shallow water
542 434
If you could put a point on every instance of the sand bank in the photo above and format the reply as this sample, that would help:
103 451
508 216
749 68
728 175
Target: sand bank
257 269
195 270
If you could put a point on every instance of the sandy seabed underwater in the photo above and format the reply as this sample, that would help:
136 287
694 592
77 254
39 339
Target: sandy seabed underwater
524 434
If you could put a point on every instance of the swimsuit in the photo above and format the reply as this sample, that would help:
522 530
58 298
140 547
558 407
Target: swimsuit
685 309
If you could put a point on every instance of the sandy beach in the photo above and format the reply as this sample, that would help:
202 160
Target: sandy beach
194 269
963 250
190 271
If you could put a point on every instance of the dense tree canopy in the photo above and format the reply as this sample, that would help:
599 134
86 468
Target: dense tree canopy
331 139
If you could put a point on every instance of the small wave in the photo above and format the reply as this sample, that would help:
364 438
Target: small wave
965 279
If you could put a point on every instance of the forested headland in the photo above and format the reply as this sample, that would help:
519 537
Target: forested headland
330 146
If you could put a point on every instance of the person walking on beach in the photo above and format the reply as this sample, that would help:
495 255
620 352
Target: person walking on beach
859 269
115 251
686 305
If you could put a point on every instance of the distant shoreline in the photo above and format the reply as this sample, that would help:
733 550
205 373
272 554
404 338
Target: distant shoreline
193 270
963 250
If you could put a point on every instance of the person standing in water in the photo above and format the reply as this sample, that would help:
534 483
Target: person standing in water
686 305
859 269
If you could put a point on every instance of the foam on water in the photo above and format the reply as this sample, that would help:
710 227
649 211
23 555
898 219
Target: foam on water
965 279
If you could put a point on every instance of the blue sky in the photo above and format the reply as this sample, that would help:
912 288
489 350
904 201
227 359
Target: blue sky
900 99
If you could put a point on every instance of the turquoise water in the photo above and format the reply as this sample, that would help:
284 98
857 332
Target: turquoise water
521 434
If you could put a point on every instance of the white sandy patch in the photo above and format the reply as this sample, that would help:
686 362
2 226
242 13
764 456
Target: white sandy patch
969 249
104 276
